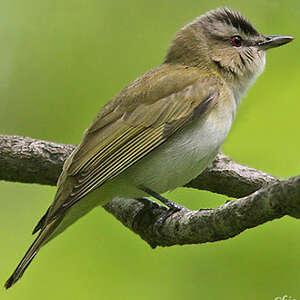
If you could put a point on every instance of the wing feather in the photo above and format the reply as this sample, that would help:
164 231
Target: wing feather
125 137
123 158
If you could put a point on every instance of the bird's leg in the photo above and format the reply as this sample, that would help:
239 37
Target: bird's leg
173 207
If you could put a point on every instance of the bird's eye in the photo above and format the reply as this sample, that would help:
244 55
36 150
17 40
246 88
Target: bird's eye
236 41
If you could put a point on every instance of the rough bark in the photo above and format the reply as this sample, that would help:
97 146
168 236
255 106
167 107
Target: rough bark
262 197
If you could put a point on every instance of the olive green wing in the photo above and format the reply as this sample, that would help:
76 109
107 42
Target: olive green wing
126 136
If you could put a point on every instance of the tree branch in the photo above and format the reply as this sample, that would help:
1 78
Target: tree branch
196 227
24 159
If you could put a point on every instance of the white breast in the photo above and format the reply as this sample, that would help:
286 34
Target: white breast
185 155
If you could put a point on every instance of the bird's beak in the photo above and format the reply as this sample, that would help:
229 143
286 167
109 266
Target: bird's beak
273 41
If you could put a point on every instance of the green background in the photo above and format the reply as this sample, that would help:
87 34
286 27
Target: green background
60 61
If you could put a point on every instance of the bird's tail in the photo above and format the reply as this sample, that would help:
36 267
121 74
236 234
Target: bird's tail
32 251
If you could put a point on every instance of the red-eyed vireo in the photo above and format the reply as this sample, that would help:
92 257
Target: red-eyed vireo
165 127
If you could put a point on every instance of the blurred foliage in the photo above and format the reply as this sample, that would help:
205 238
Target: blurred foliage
60 61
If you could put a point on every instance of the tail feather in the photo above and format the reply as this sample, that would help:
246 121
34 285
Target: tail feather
31 252
41 222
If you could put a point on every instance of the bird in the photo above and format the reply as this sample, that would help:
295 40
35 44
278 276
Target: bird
163 129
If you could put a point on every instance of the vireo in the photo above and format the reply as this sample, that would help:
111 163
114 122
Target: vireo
165 127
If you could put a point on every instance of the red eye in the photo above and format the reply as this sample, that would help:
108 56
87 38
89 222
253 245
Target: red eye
236 41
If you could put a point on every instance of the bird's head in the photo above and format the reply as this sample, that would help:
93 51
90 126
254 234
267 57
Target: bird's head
225 41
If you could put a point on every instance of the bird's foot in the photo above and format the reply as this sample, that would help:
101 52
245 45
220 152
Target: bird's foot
172 209
157 226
